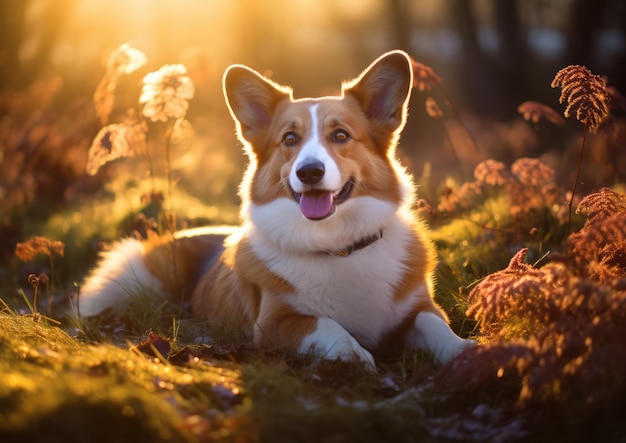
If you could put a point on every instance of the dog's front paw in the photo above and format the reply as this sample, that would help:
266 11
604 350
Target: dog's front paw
433 334
447 353
332 342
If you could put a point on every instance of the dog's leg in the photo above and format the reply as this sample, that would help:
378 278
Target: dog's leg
307 334
433 334
331 341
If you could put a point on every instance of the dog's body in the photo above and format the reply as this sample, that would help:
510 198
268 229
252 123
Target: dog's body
330 258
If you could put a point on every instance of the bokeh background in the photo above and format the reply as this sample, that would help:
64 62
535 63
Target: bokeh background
491 53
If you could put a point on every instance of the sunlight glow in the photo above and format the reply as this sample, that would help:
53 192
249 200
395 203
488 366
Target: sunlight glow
358 11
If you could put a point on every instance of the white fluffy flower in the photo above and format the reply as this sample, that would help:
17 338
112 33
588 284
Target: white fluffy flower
165 93
125 60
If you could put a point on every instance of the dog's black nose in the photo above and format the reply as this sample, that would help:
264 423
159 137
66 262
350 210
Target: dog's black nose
311 173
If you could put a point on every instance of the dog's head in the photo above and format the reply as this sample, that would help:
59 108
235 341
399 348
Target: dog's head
326 158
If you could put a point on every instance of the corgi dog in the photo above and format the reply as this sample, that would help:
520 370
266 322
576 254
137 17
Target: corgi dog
330 259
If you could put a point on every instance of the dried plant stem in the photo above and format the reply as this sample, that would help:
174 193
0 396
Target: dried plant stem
168 142
456 115
580 162
453 150
34 282
35 294
151 167
170 216
51 287
77 287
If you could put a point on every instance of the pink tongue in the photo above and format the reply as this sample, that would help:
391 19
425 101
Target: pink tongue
316 204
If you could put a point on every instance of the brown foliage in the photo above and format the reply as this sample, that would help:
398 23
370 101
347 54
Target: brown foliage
598 251
560 330
585 94
116 141
529 185
601 205
34 246
424 78
535 112
432 108
491 172
42 143
122 61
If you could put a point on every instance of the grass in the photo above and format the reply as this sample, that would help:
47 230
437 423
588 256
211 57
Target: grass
56 385
102 383
112 214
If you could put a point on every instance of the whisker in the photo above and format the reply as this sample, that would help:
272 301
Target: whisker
362 186
283 183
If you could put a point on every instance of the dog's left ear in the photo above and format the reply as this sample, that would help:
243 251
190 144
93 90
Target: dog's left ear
383 90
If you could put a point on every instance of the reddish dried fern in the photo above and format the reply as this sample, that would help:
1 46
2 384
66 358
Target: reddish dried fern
529 186
585 93
34 246
424 78
491 172
601 205
432 108
535 112
552 330
558 332
598 251
513 294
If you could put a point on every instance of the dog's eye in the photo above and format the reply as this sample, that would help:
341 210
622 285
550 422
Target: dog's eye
290 139
340 136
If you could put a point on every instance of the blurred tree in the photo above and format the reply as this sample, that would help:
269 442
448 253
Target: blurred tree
512 58
18 68
492 81
401 23
588 21
12 15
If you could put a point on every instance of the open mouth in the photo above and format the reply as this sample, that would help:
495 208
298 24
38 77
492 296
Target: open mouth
318 204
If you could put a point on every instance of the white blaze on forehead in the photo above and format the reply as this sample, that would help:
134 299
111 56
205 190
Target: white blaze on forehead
313 150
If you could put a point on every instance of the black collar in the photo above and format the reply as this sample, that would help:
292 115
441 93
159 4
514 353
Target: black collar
359 244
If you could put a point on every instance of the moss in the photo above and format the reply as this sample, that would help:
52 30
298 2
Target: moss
54 388
329 401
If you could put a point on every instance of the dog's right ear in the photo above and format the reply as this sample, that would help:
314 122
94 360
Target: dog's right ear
251 99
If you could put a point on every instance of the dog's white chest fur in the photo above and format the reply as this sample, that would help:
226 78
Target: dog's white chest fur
357 291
